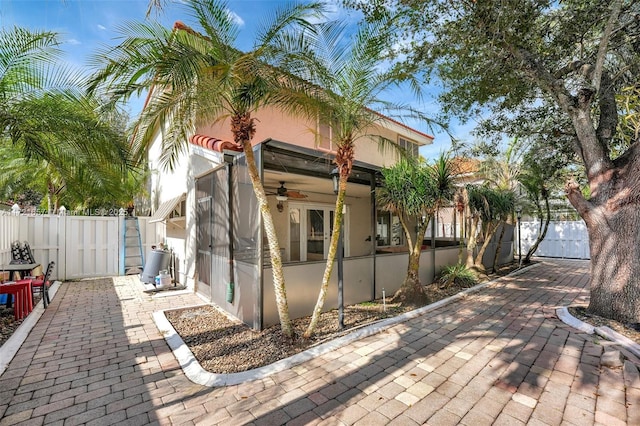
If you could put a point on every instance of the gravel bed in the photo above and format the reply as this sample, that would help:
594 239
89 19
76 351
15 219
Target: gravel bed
7 323
222 345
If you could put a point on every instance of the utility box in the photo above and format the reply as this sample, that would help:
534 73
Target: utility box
157 260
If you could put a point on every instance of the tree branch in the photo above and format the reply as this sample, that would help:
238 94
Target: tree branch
608 111
577 200
604 44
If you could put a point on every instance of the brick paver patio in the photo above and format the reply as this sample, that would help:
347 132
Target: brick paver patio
499 356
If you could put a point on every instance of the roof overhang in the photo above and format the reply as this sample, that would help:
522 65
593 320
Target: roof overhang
166 208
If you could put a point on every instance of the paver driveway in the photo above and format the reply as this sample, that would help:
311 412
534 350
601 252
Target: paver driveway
498 356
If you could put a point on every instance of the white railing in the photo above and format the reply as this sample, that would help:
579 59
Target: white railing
81 246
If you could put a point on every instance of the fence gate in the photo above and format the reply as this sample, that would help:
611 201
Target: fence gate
91 246
564 239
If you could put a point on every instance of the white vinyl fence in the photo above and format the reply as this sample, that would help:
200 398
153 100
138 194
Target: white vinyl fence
81 246
564 239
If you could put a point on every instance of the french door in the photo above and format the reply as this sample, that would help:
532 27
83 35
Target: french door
310 230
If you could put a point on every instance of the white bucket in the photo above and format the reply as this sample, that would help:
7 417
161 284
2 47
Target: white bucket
165 278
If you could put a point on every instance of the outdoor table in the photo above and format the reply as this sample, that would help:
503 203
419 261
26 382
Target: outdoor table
23 269
22 294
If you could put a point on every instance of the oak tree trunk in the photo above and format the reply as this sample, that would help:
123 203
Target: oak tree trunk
612 217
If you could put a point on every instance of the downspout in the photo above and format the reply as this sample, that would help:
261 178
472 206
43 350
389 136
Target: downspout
231 283
259 150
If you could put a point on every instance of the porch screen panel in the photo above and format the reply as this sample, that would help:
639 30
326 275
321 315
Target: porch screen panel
204 189
220 272
246 244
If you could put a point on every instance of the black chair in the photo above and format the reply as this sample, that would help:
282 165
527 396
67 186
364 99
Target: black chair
26 253
42 285
16 252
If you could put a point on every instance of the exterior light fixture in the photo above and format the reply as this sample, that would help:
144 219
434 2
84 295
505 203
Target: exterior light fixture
335 178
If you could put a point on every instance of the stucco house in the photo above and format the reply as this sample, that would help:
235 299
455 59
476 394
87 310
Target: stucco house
214 226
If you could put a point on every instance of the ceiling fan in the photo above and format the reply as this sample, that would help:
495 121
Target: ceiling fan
283 194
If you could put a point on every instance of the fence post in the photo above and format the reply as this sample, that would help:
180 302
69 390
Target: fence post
62 243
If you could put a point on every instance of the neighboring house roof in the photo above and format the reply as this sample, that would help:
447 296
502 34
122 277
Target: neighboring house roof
467 170
214 144
465 166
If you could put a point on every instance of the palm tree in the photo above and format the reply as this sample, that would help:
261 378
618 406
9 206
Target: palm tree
203 77
488 207
48 128
351 75
414 191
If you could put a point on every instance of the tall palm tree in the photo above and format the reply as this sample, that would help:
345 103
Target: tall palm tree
201 77
353 77
48 127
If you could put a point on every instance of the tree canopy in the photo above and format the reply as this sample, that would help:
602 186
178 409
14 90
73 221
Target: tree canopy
555 70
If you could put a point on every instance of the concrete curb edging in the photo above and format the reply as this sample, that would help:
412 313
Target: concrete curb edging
194 371
603 331
9 349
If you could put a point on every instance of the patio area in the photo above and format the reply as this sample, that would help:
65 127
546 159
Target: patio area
497 356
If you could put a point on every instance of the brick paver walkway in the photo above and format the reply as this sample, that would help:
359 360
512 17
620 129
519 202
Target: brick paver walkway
499 356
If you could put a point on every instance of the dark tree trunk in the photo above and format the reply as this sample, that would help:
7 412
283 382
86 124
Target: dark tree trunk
542 232
612 217
614 245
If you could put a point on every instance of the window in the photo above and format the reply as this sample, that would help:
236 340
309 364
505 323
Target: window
325 133
410 146
388 229
179 210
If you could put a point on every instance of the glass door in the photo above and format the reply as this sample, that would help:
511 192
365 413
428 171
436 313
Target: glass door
310 229
316 235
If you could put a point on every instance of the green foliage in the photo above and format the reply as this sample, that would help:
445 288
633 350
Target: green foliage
409 189
522 64
488 203
54 140
197 76
459 275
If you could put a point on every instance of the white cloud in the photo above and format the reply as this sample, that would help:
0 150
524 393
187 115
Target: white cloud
73 41
101 27
236 18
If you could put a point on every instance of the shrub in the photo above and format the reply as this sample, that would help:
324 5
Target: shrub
458 274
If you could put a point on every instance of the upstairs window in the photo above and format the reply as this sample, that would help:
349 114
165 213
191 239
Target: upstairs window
408 145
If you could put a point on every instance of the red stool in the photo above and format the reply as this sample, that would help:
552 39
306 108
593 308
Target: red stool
21 291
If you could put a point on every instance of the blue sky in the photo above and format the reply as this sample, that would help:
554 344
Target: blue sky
85 25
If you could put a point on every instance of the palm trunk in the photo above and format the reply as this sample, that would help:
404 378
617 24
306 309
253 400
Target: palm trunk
497 255
473 241
487 239
243 130
333 248
411 291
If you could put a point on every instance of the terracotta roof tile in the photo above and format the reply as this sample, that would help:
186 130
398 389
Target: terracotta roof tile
214 144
